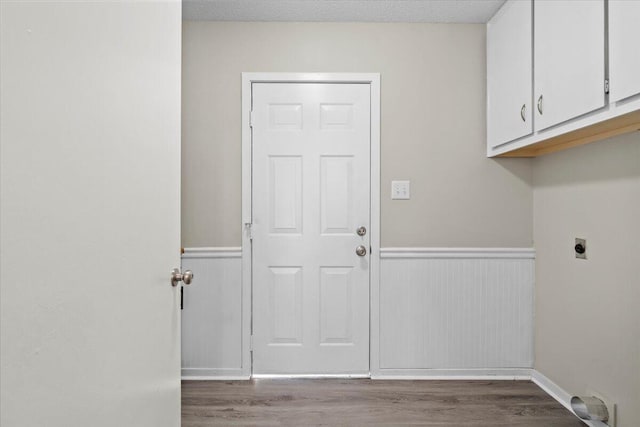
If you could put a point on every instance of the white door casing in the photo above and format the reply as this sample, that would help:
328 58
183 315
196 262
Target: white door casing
90 213
312 183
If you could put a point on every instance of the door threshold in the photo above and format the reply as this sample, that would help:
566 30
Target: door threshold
310 376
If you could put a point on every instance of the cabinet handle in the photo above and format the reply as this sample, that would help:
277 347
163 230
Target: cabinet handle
523 112
540 104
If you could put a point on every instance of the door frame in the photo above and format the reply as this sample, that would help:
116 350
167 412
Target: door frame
373 80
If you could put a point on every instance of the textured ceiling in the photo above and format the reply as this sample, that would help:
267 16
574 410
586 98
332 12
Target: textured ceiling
461 11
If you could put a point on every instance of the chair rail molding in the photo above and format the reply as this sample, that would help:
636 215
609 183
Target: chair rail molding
212 252
478 253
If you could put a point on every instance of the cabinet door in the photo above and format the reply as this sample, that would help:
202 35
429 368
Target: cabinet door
568 59
624 52
509 81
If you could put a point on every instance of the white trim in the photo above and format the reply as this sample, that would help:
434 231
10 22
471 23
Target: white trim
308 78
212 373
311 376
559 394
246 219
552 389
482 253
373 79
211 252
374 259
453 374
215 378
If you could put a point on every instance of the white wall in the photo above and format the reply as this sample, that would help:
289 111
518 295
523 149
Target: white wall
587 316
433 127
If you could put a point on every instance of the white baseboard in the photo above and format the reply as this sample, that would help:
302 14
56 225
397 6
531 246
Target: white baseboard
213 374
311 376
559 394
552 389
214 378
452 374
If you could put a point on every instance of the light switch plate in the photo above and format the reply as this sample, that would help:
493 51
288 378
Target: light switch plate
400 190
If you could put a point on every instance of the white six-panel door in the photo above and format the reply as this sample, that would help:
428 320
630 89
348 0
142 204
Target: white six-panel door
311 189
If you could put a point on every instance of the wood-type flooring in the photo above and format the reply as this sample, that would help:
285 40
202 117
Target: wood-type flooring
363 402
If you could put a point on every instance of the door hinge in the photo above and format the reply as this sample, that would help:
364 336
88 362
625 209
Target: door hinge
249 230
606 85
251 118
251 343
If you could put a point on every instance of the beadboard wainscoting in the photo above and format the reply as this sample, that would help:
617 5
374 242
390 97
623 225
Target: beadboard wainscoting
438 313
454 313
212 327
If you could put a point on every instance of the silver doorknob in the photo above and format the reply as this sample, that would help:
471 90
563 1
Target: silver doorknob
361 251
361 231
185 277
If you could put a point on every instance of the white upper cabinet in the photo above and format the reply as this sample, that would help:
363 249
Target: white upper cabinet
624 48
569 60
509 70
561 92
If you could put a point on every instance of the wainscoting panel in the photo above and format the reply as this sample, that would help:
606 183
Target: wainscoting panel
448 309
447 313
212 315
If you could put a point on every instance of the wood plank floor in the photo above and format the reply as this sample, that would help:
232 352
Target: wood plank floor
337 402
